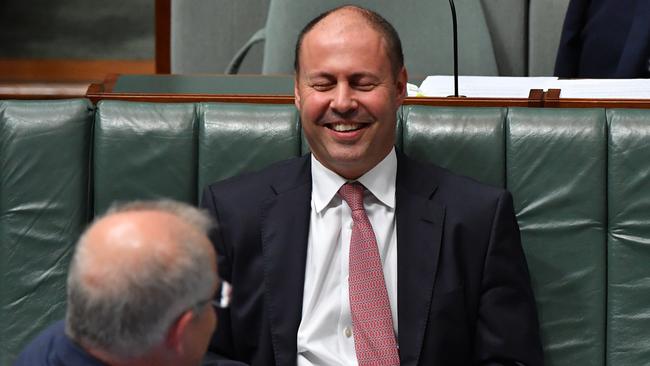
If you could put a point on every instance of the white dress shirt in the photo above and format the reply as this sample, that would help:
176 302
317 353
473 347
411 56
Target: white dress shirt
325 335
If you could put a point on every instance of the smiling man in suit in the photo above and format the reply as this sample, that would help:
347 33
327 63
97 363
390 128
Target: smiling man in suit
356 254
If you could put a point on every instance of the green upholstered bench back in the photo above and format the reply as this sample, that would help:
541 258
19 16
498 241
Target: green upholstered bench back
44 170
144 151
557 171
580 179
235 138
628 237
554 163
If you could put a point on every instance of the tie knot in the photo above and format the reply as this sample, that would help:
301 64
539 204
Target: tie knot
352 193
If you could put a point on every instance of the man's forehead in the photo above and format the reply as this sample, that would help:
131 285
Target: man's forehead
344 28
333 48
352 29
345 18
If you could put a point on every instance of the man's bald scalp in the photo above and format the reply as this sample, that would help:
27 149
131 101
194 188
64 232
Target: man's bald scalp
124 309
374 20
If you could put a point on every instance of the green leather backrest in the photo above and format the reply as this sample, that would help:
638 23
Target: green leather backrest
237 138
44 168
628 239
554 163
556 171
144 151
468 141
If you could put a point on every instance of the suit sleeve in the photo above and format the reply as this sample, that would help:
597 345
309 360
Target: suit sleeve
507 331
567 62
221 346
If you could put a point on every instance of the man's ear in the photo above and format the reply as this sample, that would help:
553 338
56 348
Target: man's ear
296 92
177 332
400 84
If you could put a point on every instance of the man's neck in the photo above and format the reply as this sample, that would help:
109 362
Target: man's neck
351 172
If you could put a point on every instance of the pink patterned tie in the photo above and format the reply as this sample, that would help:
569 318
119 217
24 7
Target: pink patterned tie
374 339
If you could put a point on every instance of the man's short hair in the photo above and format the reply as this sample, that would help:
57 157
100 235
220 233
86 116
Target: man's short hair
133 314
376 21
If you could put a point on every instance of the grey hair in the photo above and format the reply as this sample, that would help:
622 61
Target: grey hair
133 313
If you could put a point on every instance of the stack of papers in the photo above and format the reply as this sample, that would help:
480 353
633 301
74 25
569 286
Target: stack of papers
519 87
604 88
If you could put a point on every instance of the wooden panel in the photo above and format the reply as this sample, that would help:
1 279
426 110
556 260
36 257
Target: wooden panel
70 70
40 90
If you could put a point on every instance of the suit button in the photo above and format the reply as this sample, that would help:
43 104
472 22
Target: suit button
348 332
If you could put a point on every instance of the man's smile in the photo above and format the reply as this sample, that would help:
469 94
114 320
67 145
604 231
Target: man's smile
346 127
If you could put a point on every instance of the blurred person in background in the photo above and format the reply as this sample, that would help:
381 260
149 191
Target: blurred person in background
605 39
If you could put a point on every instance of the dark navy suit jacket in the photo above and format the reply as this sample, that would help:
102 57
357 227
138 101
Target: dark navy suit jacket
464 294
53 348
605 39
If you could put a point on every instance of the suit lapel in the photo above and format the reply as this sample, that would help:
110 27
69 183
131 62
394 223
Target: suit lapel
419 232
285 229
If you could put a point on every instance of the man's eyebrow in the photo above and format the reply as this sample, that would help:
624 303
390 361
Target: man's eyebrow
362 74
320 74
354 76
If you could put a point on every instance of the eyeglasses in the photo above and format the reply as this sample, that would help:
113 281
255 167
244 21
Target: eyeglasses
198 306
216 304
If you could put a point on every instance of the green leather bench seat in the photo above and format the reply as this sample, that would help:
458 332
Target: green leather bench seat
580 179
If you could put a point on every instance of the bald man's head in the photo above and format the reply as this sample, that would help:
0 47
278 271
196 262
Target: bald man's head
120 242
134 271
370 19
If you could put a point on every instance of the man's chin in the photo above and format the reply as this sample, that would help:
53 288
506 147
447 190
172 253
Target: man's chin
349 165
347 159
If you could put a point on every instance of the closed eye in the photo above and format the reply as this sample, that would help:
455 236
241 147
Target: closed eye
364 86
322 86
363 82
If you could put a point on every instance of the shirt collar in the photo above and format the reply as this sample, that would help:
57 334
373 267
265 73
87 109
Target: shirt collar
380 181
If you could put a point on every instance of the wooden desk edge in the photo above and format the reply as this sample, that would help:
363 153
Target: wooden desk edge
95 94
537 98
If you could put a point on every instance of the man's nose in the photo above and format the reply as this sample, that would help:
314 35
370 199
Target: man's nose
343 101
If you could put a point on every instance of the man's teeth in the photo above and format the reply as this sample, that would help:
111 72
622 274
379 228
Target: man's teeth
344 127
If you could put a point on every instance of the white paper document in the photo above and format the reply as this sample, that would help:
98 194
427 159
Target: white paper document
604 88
519 87
484 86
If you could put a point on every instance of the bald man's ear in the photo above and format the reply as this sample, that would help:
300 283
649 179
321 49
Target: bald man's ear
296 93
400 84
177 332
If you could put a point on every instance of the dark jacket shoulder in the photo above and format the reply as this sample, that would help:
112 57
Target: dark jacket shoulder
273 179
53 348
441 183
